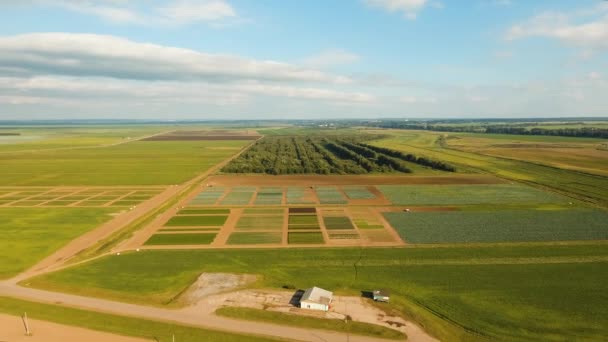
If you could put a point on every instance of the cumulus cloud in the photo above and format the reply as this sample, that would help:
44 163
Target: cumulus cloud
110 56
585 28
409 8
330 58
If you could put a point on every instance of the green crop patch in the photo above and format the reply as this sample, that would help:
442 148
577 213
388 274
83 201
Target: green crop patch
303 227
343 236
303 219
237 198
196 221
190 229
468 194
239 238
203 211
181 239
330 195
260 222
500 226
358 192
263 211
338 222
296 238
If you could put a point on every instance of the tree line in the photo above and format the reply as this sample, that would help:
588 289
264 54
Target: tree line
324 155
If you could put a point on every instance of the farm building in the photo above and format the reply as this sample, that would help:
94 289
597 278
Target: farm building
316 298
382 296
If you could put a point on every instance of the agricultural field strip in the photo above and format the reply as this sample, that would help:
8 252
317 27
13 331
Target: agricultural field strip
76 196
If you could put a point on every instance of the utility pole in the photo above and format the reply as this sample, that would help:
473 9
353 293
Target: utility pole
26 324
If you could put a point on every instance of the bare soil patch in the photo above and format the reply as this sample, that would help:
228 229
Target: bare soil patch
316 180
214 283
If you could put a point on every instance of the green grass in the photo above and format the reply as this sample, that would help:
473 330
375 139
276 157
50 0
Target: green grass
237 198
305 238
203 211
120 325
27 235
303 227
303 219
505 292
358 192
260 222
500 226
134 163
239 238
181 239
177 221
467 194
350 327
338 222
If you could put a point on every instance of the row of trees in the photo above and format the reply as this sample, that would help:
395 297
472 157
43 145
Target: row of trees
323 155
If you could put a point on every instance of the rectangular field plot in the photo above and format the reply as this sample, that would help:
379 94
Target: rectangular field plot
269 195
358 192
338 222
181 239
468 194
238 196
187 211
310 220
260 223
500 226
300 195
343 235
330 195
305 238
239 238
263 211
208 197
193 221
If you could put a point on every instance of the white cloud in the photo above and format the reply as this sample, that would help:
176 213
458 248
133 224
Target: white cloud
584 28
192 11
176 12
330 58
109 56
409 8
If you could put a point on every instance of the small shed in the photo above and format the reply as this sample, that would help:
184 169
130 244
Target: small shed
382 295
316 298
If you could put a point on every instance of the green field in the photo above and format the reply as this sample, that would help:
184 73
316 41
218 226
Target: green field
207 220
513 292
133 163
358 192
27 235
338 222
500 226
203 211
468 194
239 238
351 327
330 195
303 219
299 238
181 239
260 222
121 325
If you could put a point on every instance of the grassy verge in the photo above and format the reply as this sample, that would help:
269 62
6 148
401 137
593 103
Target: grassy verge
122 325
350 327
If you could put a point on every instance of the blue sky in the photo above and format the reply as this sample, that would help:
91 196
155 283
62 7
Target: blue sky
246 59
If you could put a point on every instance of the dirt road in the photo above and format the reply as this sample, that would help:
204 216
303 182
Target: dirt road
43 331
200 319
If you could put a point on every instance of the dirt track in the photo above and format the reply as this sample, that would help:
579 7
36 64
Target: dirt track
197 318
43 331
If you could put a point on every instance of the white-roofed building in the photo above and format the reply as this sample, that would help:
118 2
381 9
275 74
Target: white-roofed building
316 298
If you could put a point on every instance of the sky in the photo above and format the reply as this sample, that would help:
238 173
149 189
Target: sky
313 59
